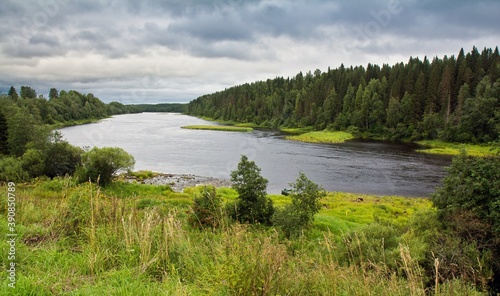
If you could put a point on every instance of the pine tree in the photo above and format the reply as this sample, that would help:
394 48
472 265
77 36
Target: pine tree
13 93
53 93
4 134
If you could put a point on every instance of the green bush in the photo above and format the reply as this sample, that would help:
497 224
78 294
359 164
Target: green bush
208 211
468 206
100 164
33 162
61 159
252 205
11 170
299 215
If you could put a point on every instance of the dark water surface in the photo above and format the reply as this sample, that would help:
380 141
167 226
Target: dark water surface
159 144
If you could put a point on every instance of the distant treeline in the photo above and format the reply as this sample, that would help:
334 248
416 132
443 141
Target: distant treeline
451 98
173 107
61 106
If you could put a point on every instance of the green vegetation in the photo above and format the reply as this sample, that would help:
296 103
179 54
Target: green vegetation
252 205
322 137
29 149
140 239
440 147
99 165
452 99
299 215
208 210
219 128
468 206
173 107
80 238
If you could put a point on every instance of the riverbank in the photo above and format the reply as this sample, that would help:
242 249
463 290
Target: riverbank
69 123
225 128
444 148
309 135
178 182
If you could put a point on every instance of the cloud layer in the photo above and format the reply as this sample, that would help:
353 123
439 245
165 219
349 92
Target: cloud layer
165 51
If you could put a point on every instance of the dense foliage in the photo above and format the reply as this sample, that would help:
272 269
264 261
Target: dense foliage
252 205
208 210
453 99
170 107
468 205
62 106
28 147
295 217
99 165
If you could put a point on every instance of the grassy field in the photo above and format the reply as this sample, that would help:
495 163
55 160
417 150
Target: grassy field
322 137
219 128
135 239
439 147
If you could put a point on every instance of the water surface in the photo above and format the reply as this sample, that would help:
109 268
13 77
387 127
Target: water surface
159 144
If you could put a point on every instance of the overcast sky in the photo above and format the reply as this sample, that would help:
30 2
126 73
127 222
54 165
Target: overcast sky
176 50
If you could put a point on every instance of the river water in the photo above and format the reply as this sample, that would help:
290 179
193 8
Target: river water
159 144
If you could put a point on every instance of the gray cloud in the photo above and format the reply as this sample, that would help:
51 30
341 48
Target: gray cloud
190 47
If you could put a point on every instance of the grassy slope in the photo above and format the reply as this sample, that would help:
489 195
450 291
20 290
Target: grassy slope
132 239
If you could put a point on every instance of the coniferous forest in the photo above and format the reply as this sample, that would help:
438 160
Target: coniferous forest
455 99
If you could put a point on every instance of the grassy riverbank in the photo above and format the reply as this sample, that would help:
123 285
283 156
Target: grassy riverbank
219 128
444 148
309 135
69 123
133 239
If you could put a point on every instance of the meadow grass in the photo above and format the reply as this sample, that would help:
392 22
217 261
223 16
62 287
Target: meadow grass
296 131
322 137
444 148
225 128
86 240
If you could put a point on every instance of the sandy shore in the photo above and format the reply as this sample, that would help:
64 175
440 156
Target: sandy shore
180 181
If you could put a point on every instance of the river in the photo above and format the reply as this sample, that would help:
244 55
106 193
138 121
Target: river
159 144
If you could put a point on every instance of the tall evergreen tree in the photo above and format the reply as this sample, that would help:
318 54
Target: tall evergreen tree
13 93
28 92
53 93
4 134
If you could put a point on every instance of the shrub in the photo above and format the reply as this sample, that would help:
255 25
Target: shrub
253 205
207 209
100 164
11 170
468 206
61 159
305 195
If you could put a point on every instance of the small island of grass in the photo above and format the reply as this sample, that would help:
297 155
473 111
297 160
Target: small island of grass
329 137
219 128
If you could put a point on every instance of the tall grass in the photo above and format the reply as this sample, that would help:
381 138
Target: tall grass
77 240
